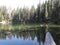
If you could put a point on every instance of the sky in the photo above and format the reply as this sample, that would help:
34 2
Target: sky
20 3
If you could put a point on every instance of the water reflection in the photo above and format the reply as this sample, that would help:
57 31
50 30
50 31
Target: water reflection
31 37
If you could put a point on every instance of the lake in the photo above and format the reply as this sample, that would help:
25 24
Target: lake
28 37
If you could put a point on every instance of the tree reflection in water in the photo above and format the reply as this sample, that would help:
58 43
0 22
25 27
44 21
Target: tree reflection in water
30 34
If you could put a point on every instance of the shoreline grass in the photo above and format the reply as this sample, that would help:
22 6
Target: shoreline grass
24 26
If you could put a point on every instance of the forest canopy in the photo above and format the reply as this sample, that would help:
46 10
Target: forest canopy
48 12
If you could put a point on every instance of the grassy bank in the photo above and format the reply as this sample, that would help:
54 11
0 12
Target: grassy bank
24 26
21 26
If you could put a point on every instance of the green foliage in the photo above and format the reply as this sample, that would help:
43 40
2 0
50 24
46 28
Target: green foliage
48 12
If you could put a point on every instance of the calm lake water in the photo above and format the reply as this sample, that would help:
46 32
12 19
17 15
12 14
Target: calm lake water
28 37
